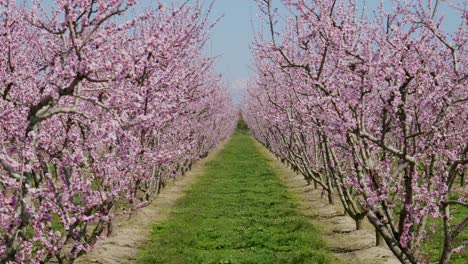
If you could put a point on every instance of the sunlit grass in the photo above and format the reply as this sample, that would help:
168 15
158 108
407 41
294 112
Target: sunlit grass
238 212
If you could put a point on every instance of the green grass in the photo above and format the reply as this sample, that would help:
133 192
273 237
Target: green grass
237 212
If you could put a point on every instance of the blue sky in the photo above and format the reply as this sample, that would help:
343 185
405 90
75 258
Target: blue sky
231 39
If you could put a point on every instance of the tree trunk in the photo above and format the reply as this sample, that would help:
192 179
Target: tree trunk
445 259
462 177
404 256
447 250
379 240
359 223
330 197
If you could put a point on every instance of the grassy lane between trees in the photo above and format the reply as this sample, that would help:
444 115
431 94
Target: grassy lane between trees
238 212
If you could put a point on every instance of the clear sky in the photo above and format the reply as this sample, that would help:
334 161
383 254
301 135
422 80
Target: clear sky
231 39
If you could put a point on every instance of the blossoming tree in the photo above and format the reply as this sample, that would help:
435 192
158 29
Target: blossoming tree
98 108
372 108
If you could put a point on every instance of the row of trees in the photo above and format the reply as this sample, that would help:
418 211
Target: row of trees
371 108
99 107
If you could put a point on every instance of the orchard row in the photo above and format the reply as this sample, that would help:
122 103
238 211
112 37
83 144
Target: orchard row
372 108
99 107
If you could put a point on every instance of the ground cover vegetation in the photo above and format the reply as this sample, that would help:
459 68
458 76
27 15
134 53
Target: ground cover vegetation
239 211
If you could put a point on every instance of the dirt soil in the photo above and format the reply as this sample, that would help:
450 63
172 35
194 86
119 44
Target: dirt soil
130 233
338 231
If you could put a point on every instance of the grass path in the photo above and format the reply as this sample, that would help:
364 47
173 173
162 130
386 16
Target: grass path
238 212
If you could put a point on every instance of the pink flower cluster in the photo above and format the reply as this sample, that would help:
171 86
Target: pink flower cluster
97 111
370 107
